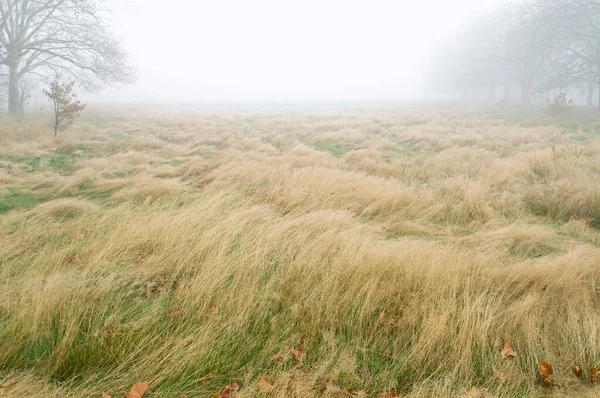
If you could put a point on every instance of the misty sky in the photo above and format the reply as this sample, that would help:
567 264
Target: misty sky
277 50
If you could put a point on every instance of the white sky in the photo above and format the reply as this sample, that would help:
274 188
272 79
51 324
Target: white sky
278 50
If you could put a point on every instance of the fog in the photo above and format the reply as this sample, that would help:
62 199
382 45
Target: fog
267 50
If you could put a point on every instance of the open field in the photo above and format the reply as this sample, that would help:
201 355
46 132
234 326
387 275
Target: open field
400 247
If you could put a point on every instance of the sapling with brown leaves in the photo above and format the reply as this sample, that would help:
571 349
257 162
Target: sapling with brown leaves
64 103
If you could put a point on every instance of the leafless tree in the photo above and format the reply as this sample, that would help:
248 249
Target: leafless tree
571 28
59 37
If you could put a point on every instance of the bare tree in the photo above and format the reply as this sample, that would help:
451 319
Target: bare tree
66 37
571 28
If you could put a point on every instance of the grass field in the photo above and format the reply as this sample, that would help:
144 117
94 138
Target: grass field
400 247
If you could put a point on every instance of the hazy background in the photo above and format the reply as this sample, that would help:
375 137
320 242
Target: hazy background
274 50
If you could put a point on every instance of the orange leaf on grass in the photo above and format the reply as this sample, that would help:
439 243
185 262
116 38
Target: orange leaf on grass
264 385
229 391
389 394
355 393
594 375
578 371
508 351
546 371
137 390
299 353
277 358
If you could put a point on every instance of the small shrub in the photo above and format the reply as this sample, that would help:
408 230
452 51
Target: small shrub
559 105
65 104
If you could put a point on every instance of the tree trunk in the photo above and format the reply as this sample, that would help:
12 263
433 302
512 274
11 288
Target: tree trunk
506 92
590 93
491 93
526 92
14 97
599 95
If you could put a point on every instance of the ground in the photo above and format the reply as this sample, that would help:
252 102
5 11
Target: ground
399 247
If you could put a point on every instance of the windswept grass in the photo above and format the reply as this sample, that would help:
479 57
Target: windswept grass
402 248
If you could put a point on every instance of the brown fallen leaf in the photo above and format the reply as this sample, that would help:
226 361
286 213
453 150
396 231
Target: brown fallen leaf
594 375
264 385
105 395
546 371
498 375
389 394
574 217
139 260
213 309
548 382
474 392
578 371
229 391
137 390
355 393
589 222
508 351
299 353
174 313
278 358
545 368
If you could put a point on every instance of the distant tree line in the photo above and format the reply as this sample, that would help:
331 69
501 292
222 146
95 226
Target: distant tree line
539 46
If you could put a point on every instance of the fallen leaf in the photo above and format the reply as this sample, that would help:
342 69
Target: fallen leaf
474 392
546 371
499 375
278 358
174 313
578 371
105 395
229 391
299 353
589 222
355 393
548 382
213 309
594 375
138 390
508 351
574 217
139 260
389 394
264 385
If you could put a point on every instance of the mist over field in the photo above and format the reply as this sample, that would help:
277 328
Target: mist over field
251 199
272 51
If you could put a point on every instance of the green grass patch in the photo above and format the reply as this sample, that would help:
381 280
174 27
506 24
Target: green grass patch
337 150
14 199
62 164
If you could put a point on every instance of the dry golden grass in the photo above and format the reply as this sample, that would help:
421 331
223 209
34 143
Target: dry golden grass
401 247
